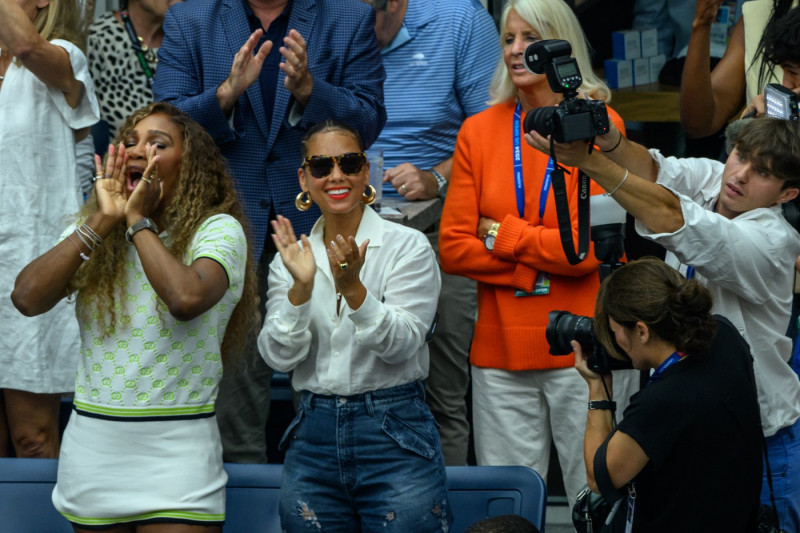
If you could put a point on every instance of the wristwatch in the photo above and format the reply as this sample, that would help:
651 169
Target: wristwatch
144 223
603 404
491 235
441 182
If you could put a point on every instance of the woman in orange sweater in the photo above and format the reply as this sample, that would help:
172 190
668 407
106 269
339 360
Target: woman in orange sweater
522 395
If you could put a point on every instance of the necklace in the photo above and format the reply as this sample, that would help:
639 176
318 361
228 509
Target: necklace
150 54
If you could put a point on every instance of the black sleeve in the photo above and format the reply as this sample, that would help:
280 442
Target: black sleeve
601 475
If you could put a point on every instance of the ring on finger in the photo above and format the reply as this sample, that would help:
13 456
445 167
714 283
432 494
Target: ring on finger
343 265
97 177
403 188
147 180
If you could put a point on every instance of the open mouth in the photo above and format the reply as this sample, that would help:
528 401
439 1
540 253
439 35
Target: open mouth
134 177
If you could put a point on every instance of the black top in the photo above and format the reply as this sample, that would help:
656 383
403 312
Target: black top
700 426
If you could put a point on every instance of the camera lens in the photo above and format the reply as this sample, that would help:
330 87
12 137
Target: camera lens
564 327
541 120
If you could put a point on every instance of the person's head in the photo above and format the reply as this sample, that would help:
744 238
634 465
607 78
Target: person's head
526 21
647 306
57 19
334 170
782 46
191 167
389 15
763 169
196 185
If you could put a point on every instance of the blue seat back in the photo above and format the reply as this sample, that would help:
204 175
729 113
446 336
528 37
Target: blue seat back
480 492
25 504
253 496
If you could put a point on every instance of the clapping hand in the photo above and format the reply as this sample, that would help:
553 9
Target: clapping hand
299 261
346 259
245 69
298 79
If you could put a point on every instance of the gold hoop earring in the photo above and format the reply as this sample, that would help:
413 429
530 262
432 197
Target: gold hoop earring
303 204
368 199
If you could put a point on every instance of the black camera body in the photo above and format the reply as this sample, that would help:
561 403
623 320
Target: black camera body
563 327
573 119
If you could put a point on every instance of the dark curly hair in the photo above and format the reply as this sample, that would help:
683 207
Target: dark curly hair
675 309
782 39
203 189
780 8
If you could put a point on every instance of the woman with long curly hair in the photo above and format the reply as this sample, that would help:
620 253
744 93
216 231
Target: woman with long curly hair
46 102
159 261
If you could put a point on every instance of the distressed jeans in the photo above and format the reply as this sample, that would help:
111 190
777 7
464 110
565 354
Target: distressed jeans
369 462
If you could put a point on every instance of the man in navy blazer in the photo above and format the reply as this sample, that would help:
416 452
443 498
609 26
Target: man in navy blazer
220 62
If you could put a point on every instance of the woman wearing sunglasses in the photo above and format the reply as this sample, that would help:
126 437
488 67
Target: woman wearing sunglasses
348 310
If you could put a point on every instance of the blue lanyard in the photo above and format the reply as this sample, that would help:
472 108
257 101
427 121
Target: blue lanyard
519 184
671 360
689 272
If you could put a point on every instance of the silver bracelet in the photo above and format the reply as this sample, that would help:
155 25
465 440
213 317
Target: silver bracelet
611 193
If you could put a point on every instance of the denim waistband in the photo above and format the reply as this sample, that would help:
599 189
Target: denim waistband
400 392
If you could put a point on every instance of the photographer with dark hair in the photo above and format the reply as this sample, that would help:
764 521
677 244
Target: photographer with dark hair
781 48
723 225
694 427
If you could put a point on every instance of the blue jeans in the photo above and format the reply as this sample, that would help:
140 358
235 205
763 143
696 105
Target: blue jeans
369 462
784 461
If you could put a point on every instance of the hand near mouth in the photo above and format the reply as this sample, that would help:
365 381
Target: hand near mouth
146 196
109 183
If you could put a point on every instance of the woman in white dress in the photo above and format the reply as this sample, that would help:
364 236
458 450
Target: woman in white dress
46 99
165 292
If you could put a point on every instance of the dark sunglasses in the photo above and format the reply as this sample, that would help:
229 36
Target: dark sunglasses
349 163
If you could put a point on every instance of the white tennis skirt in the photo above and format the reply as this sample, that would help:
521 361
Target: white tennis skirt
115 472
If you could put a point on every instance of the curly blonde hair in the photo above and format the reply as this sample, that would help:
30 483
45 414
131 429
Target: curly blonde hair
203 189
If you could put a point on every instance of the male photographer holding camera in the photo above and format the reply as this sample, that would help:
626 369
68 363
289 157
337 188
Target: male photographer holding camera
722 225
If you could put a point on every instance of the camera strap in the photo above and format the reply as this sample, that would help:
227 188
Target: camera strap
562 211
519 182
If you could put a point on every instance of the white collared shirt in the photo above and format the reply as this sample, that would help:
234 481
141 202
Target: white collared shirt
748 265
379 345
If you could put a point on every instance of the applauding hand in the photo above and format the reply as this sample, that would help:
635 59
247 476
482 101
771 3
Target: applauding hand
298 260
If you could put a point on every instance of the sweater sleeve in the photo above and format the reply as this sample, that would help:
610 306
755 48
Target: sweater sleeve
525 244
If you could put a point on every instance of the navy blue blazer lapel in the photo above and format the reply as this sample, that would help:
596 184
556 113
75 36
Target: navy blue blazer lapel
237 30
302 17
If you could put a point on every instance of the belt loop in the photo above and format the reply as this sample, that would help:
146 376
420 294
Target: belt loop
309 401
368 403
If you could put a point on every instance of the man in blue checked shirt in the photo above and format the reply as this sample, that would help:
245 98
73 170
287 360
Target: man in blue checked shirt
257 74
439 57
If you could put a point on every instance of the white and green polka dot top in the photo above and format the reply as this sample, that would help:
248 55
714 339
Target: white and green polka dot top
153 366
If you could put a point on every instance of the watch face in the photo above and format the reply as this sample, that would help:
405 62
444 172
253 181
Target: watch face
488 241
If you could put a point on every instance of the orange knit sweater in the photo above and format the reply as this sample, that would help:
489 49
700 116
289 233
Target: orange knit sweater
510 331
